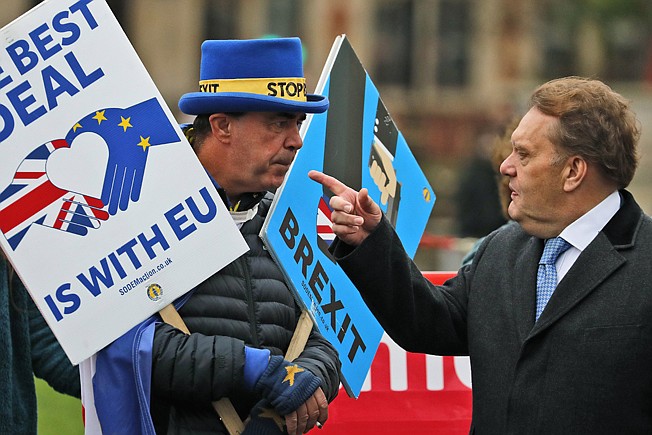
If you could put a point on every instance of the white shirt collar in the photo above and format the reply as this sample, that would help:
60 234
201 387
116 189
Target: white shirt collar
582 232
240 217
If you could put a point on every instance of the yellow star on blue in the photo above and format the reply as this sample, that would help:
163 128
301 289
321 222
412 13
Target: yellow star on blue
144 142
125 123
291 371
99 116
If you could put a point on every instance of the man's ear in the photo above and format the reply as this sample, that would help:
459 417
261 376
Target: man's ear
575 172
220 126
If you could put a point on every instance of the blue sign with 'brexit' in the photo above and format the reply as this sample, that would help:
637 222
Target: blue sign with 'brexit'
356 141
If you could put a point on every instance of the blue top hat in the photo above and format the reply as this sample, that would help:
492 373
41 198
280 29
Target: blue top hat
256 75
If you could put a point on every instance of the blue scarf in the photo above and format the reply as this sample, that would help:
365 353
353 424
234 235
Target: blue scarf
123 378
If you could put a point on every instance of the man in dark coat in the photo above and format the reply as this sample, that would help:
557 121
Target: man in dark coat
578 362
251 104
249 109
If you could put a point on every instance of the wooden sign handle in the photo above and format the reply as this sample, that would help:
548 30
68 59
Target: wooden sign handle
300 336
224 407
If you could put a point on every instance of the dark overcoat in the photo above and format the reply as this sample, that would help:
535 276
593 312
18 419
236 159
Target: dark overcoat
584 368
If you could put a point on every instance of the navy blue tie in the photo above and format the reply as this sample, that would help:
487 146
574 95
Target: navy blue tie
547 274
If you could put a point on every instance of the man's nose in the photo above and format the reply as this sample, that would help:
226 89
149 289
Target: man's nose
294 140
506 167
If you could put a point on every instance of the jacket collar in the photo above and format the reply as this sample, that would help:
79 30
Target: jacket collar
621 230
246 202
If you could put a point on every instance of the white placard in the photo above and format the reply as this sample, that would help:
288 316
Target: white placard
105 212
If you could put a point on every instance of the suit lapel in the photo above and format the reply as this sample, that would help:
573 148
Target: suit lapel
525 284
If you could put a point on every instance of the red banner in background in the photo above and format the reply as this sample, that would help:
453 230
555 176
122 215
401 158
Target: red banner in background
407 393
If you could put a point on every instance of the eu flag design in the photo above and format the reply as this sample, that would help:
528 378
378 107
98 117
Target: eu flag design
128 133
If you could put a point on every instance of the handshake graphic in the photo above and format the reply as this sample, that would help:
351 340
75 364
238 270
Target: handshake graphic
73 184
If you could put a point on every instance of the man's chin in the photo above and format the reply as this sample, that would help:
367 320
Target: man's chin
533 226
520 218
512 211
274 184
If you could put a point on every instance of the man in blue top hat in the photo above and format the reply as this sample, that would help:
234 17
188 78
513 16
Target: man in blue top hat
251 103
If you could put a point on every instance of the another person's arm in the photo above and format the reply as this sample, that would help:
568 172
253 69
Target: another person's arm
49 361
419 316
196 367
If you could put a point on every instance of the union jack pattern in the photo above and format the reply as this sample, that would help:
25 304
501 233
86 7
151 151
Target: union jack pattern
325 235
32 198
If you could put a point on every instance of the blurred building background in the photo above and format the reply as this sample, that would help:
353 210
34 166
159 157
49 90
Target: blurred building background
452 73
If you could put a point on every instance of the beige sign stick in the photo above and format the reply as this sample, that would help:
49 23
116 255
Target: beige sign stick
224 407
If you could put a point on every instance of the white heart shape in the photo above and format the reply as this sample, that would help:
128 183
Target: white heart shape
80 168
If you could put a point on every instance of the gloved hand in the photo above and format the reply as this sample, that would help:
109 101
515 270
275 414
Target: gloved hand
286 385
263 420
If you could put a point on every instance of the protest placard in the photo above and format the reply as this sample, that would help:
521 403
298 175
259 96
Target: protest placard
356 141
106 214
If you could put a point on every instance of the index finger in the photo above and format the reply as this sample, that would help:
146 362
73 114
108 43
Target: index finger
331 183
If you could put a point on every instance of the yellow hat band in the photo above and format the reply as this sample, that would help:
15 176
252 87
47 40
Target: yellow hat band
291 88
